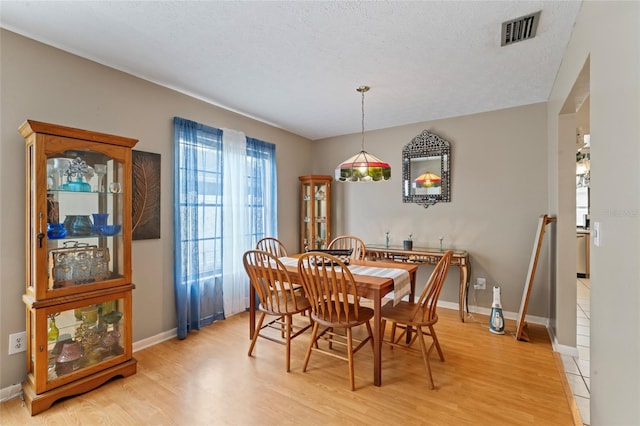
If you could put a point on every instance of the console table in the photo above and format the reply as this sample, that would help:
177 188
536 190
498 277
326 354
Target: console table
426 256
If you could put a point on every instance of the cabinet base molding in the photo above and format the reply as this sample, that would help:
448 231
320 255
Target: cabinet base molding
37 403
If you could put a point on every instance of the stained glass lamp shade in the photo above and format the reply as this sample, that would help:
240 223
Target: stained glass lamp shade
428 179
363 167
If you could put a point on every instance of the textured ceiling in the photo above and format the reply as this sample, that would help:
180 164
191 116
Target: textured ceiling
296 65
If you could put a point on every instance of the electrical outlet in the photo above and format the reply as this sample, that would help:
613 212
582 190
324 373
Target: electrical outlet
17 342
481 284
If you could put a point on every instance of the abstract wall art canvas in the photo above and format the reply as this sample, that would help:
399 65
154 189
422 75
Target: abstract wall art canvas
146 195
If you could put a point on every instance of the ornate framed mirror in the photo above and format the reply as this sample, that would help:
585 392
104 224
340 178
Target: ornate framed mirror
426 170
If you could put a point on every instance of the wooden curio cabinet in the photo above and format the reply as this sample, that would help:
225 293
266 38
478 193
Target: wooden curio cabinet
315 212
78 270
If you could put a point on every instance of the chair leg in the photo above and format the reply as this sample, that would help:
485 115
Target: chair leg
330 337
256 332
435 341
314 333
352 377
371 334
283 332
393 332
288 341
425 356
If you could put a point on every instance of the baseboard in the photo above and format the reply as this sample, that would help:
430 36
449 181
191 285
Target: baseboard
487 311
10 392
15 391
562 349
154 340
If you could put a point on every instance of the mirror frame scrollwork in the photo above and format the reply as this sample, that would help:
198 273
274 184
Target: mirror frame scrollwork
426 146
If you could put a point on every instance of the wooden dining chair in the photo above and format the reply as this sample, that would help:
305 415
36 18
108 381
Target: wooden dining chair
270 279
350 242
276 248
333 296
420 316
273 246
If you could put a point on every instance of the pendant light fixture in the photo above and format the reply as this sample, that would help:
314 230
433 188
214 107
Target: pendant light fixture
363 166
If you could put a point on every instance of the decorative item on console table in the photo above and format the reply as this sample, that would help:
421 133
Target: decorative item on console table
408 243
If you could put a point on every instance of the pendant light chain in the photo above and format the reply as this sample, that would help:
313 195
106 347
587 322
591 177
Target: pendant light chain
362 91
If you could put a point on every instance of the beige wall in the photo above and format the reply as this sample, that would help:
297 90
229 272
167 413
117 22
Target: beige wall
499 189
606 34
46 84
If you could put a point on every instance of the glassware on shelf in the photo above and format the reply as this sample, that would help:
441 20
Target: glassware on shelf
115 187
77 185
113 317
109 230
78 225
75 174
59 166
62 270
53 333
69 358
82 267
51 180
101 172
88 175
56 231
100 265
99 219
90 315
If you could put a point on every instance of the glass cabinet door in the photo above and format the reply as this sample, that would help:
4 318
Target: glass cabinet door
307 214
79 216
84 218
315 212
80 338
320 214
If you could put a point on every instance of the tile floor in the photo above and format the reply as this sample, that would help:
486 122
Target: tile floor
577 368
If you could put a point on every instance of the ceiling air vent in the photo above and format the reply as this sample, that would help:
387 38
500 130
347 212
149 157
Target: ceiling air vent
519 29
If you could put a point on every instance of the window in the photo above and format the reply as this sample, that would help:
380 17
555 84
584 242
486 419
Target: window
215 181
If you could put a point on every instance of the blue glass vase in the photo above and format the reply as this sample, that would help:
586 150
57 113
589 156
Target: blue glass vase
78 225
99 219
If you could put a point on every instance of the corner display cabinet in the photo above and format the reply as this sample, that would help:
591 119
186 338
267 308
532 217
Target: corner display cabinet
315 220
78 251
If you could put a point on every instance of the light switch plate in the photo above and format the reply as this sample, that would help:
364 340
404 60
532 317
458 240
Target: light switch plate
596 234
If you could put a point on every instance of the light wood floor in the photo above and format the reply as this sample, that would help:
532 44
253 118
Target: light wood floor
208 379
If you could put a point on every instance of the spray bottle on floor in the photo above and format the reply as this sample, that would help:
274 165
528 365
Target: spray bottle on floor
496 320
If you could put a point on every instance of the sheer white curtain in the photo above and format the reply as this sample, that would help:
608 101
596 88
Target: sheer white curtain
236 229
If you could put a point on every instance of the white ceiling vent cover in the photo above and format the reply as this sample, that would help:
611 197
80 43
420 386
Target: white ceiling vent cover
519 29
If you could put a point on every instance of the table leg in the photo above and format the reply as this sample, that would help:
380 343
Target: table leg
252 311
377 340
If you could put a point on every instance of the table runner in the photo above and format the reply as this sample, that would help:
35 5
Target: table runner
401 279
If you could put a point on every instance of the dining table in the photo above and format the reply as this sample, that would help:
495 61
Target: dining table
374 280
